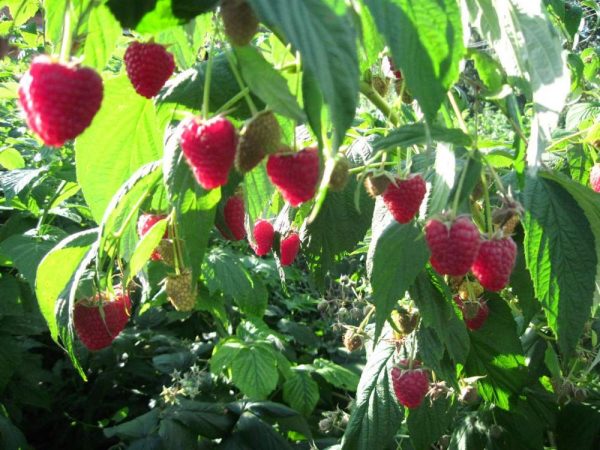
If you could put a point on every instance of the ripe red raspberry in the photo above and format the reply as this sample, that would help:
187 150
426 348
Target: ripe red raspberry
234 214
404 197
495 262
295 174
148 66
453 246
209 148
410 386
289 248
475 313
59 100
595 177
263 235
97 329
145 223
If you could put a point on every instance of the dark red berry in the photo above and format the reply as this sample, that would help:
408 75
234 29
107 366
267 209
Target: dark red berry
263 235
289 248
410 386
475 313
453 246
98 321
495 262
295 174
148 66
209 148
59 100
404 197
234 214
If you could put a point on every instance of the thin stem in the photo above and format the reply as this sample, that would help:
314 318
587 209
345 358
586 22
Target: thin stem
461 182
233 100
379 102
42 218
459 117
566 138
370 166
207 79
488 208
240 82
65 47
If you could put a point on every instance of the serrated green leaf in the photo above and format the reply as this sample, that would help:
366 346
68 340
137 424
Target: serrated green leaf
254 371
56 270
426 40
327 43
399 254
187 89
497 356
104 161
102 35
301 392
146 246
416 134
428 422
335 374
225 353
268 84
560 257
26 251
434 300
376 415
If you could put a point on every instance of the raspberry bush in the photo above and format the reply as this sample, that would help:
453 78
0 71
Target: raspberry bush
258 224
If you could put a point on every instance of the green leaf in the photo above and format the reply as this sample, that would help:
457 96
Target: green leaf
224 353
415 134
56 270
254 371
156 15
137 428
327 44
12 303
443 179
10 435
145 248
428 422
371 40
313 103
101 39
561 257
187 89
206 419
339 225
11 159
578 426
176 435
195 207
530 51
497 356
223 272
253 433
426 40
301 392
105 160
118 224
26 251
399 253
267 83
11 356
434 300
335 374
376 416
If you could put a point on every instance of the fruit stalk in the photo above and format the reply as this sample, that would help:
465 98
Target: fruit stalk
65 45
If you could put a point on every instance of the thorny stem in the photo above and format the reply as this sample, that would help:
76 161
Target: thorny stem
233 100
